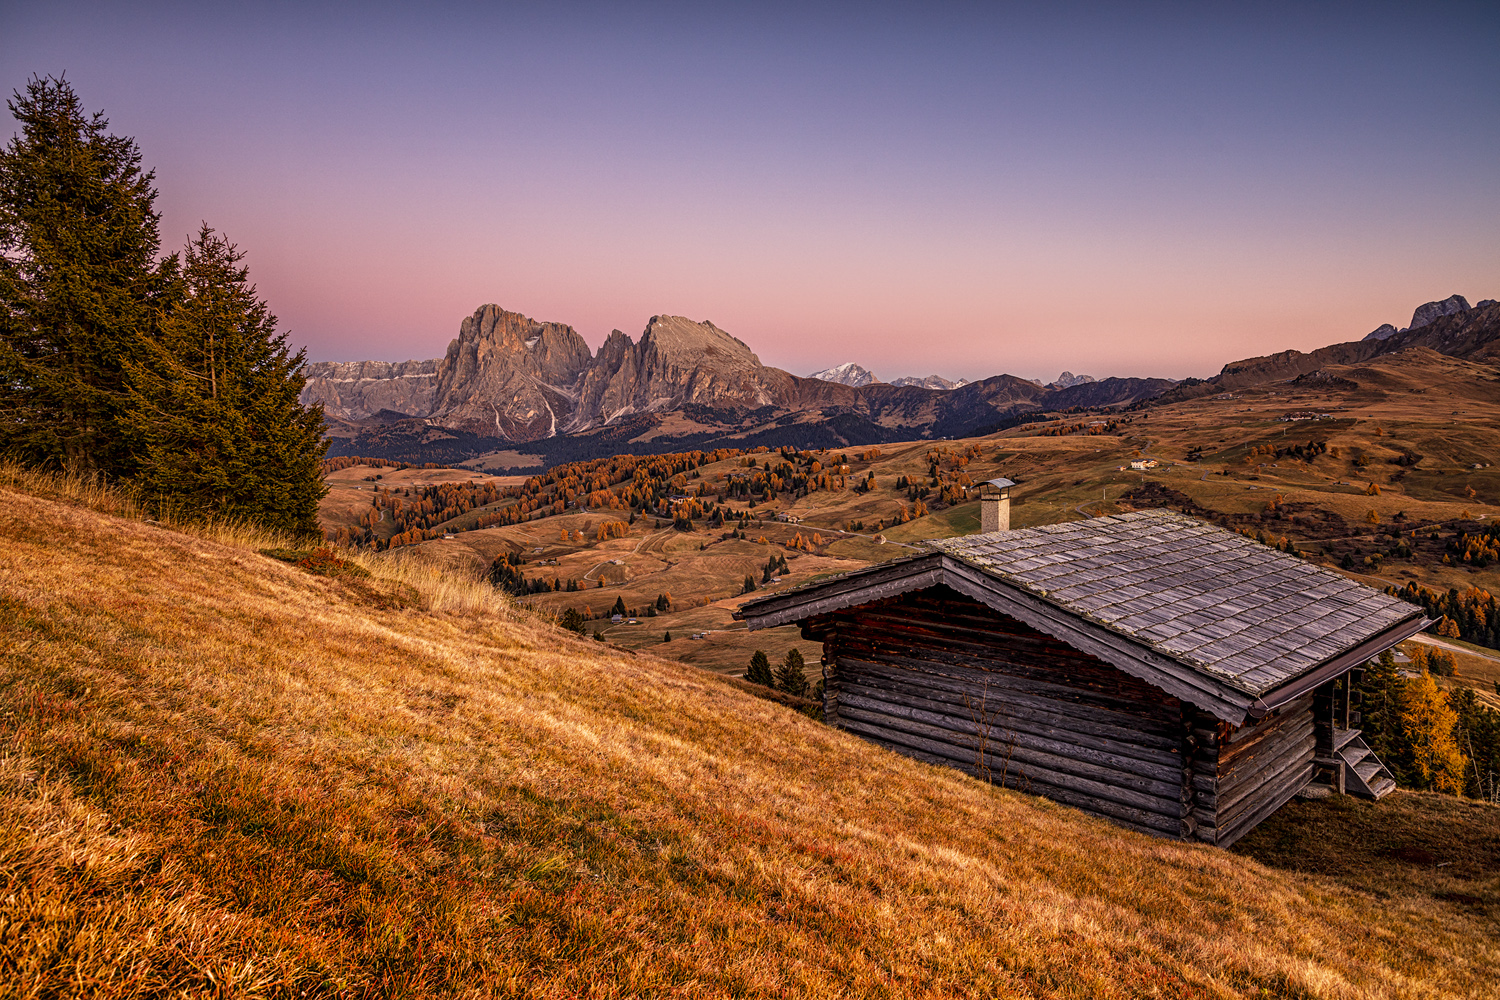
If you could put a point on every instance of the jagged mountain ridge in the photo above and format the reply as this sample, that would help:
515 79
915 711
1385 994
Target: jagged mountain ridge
930 382
850 374
355 390
1471 334
510 379
1067 380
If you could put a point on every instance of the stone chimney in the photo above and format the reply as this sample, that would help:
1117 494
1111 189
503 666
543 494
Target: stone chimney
994 505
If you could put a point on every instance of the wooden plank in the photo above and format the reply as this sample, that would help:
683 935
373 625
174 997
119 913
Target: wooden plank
859 587
1246 735
1250 757
1279 796
1157 731
1233 801
1049 751
1044 726
1156 824
1036 765
1115 735
1075 682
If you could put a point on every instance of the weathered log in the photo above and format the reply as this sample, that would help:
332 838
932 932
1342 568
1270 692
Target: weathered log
1157 729
1020 710
1276 797
1055 741
1038 766
1156 824
1235 799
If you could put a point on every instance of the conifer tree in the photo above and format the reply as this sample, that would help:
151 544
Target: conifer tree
791 675
1478 738
760 669
80 283
1381 693
214 414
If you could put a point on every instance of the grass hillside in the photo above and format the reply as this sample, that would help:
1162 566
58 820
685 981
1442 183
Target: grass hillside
221 774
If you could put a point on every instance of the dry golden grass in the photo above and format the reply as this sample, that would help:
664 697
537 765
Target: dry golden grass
221 775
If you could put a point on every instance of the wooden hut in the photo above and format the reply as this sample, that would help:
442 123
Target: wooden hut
1150 668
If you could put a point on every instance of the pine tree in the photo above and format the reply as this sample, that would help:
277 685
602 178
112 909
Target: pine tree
791 675
1381 697
80 283
215 415
1478 737
760 669
619 608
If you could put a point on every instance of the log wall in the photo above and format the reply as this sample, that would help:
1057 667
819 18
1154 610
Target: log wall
1242 774
940 677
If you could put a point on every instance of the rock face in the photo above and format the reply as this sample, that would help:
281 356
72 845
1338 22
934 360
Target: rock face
930 382
1067 380
851 374
1381 332
1429 311
512 378
509 376
354 390
678 362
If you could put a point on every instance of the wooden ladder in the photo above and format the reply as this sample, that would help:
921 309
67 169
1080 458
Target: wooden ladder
1357 771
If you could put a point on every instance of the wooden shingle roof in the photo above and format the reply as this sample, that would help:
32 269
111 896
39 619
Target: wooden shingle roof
1153 592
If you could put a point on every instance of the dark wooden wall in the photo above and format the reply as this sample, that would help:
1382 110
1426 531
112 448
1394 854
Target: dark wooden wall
940 677
1242 775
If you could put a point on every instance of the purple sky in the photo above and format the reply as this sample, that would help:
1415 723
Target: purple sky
966 191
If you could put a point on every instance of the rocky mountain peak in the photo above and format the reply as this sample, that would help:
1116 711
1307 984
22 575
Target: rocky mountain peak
1429 311
1067 380
929 382
1382 332
683 340
848 373
354 390
509 376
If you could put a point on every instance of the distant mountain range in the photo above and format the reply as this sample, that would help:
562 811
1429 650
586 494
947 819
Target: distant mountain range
510 384
516 392
1470 333
857 377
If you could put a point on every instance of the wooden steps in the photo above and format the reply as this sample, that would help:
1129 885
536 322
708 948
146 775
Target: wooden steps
1364 773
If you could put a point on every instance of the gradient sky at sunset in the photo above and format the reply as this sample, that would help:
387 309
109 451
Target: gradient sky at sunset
965 189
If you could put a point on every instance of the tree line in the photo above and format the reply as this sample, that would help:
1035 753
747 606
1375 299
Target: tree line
1444 741
162 371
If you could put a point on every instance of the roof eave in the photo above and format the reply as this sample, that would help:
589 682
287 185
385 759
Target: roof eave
920 572
1338 665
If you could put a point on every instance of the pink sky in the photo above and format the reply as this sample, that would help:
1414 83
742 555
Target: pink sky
963 193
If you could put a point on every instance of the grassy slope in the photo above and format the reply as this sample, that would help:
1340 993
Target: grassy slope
220 773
